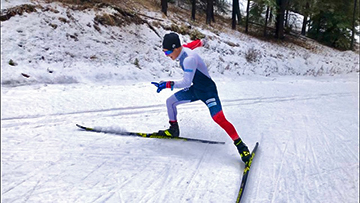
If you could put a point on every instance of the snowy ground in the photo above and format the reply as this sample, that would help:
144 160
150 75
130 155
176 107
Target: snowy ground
307 127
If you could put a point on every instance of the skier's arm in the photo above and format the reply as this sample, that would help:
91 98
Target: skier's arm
190 65
194 44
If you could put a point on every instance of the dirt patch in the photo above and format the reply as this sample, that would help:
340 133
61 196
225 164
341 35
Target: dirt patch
6 14
121 18
124 15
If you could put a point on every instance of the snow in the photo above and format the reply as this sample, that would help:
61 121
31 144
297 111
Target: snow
301 105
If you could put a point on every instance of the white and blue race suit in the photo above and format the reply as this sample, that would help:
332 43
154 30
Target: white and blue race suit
197 85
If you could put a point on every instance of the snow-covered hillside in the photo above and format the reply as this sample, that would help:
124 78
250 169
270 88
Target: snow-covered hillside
301 105
60 45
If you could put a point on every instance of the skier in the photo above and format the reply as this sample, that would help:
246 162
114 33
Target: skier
197 85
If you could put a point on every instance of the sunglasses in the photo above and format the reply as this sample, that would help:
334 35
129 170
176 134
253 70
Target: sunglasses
168 52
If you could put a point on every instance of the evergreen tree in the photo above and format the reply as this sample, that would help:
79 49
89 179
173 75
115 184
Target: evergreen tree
331 23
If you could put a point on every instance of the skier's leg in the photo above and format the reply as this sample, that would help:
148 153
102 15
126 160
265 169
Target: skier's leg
181 97
218 116
220 119
171 104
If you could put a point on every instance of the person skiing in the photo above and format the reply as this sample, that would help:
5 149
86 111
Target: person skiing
197 85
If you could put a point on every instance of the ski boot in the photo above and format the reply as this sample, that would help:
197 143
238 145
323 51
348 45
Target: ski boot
243 150
173 131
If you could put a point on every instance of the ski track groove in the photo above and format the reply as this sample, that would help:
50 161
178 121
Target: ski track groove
165 175
324 128
118 191
337 168
121 111
34 173
259 172
32 191
189 187
131 178
105 199
308 146
274 193
313 167
95 169
324 139
316 164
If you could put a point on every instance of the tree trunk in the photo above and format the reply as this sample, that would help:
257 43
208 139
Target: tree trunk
193 9
305 21
266 19
235 13
303 28
308 25
164 6
238 12
279 33
353 27
318 26
287 18
212 12
247 16
271 16
209 11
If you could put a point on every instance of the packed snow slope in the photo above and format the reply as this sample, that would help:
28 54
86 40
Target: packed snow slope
300 104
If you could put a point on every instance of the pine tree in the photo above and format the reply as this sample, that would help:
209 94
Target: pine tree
331 23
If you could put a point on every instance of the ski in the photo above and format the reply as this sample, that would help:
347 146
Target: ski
147 135
246 174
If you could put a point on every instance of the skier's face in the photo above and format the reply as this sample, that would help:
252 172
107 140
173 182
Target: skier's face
173 54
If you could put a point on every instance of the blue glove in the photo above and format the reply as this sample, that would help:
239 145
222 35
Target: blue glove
163 85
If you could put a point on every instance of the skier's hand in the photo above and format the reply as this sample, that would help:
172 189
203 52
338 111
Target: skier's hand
162 85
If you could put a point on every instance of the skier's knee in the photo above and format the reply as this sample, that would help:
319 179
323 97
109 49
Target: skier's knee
171 100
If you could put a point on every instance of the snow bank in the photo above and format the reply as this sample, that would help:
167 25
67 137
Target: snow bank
60 45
